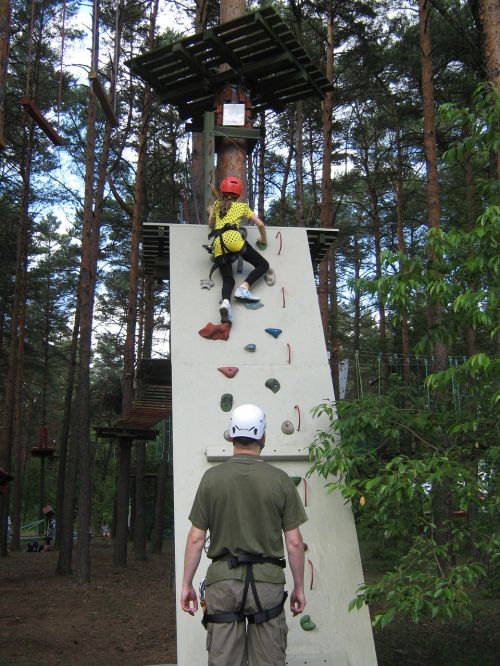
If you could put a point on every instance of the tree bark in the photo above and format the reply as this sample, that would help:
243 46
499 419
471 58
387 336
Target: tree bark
325 218
140 503
161 493
439 361
120 549
5 11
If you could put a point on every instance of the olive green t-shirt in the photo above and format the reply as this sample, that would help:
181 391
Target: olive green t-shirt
246 504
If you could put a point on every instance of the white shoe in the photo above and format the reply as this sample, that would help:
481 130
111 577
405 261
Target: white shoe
226 316
243 294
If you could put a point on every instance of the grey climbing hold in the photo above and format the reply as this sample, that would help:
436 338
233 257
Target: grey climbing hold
306 623
227 436
270 277
275 332
206 284
251 347
287 427
226 402
273 384
253 306
296 479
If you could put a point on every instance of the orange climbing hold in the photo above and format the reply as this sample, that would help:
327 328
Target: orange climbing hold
215 331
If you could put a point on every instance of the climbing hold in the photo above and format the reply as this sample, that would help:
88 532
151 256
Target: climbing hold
273 384
261 245
287 427
228 371
275 332
226 402
270 277
253 306
227 436
296 479
215 331
206 284
306 623
251 347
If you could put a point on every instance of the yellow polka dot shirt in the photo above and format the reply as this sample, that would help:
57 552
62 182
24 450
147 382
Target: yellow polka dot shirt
232 239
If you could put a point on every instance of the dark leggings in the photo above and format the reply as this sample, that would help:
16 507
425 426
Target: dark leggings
226 269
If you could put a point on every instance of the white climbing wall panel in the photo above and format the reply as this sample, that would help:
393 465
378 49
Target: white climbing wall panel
298 360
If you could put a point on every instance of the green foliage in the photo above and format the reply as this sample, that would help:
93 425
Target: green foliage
419 464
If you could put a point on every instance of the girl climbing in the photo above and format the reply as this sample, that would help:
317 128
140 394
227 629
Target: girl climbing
224 220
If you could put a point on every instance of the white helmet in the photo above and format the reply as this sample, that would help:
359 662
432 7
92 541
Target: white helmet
247 421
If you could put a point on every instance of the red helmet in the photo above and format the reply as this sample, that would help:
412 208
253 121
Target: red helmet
231 185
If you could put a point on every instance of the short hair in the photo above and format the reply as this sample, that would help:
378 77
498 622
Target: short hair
245 440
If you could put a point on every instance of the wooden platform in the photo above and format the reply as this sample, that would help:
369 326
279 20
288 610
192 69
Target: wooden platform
257 51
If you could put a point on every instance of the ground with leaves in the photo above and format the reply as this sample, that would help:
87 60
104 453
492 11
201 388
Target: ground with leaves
127 617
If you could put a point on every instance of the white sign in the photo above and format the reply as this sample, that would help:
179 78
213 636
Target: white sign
233 114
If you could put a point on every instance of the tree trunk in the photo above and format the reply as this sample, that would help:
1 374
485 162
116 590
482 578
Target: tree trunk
140 503
4 59
400 206
357 293
261 181
284 182
161 493
441 493
120 555
122 505
325 219
299 166
11 423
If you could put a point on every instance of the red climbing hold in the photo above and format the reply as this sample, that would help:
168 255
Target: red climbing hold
215 331
228 370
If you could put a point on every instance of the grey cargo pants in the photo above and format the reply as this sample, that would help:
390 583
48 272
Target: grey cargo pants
242 643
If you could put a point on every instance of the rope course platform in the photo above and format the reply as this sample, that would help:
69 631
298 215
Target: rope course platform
156 246
257 51
152 404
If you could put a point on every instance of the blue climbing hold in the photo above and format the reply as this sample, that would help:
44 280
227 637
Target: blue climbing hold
253 306
275 332
251 347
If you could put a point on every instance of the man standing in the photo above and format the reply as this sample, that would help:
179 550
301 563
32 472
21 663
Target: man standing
246 505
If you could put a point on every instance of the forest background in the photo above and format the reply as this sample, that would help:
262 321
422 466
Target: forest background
402 157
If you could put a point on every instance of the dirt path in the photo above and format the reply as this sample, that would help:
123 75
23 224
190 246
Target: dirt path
124 617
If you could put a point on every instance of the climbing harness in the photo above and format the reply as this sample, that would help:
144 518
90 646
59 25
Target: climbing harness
262 615
226 255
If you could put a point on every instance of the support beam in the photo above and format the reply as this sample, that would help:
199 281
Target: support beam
31 109
101 95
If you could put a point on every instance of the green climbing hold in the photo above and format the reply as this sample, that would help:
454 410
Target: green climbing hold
226 402
273 384
306 623
296 479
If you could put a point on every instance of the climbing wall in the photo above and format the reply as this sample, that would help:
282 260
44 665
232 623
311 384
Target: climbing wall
286 375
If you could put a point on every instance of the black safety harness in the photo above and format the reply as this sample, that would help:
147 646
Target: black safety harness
226 255
262 615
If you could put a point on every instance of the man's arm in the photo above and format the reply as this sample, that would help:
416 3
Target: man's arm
295 549
192 554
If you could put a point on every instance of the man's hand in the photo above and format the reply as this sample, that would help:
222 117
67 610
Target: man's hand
297 602
188 597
